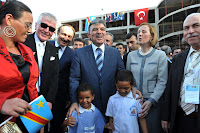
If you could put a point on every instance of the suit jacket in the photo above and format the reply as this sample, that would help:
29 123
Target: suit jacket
172 92
125 58
49 76
64 72
84 70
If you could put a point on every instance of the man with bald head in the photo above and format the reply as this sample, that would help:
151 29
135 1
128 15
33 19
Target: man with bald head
65 36
178 115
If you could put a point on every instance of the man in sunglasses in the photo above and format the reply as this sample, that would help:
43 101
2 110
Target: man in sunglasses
131 41
46 55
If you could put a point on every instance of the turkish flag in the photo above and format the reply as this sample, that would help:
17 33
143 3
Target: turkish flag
2 2
141 16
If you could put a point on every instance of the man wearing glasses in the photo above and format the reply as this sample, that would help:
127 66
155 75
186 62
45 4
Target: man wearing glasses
46 55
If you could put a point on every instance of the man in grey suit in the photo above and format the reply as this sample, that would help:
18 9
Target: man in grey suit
84 68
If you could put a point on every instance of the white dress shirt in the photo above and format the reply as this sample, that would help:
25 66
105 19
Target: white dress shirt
40 47
61 50
187 62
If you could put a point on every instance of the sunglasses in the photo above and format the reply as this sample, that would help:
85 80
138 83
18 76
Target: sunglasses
43 25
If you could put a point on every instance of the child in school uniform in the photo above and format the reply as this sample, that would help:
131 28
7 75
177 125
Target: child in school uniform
122 108
90 118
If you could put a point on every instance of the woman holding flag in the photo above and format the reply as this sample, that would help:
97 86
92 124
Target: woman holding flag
18 68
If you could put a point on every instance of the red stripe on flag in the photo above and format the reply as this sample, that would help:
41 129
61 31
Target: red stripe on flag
36 118
88 19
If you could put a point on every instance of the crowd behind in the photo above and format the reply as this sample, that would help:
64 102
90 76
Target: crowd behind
95 86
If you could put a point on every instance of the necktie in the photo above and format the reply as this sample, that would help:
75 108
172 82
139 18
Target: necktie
99 59
188 108
60 52
59 47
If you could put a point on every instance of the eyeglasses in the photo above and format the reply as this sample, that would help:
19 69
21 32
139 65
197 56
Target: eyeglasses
43 25
28 25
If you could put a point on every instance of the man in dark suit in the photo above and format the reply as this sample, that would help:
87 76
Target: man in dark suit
131 41
177 115
65 35
46 55
84 68
78 43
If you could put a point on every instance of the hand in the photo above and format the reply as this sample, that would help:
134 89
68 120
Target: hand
50 105
145 108
136 91
165 126
71 121
73 107
110 126
15 107
42 130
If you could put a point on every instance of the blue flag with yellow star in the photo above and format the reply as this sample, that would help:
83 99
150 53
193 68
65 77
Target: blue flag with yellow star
39 116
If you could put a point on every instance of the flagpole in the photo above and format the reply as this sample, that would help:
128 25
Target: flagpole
6 121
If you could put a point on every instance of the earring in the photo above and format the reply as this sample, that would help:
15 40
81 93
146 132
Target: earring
9 31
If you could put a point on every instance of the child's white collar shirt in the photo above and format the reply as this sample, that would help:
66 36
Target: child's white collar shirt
82 110
124 111
129 95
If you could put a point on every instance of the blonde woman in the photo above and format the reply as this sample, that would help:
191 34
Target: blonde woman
149 67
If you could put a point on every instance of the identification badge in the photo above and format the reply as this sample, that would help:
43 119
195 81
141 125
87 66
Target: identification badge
192 94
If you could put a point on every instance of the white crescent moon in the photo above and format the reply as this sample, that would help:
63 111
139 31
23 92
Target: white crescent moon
140 13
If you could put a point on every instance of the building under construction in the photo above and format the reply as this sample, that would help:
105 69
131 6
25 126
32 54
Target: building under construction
168 18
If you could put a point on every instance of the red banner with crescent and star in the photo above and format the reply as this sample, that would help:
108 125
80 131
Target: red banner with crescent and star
141 16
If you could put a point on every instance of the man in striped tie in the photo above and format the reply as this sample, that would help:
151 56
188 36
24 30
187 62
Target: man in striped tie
96 64
178 115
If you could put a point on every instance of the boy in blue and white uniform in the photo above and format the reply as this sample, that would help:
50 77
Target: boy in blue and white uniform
122 108
90 119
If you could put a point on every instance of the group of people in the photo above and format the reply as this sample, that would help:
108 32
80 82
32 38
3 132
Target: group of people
88 89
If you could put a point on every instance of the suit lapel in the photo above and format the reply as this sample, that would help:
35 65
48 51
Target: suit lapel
31 43
62 60
91 59
180 70
46 57
106 60
182 61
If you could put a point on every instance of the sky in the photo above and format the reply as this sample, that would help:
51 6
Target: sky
66 10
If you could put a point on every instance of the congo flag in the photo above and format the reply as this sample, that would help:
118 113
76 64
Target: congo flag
88 20
39 116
